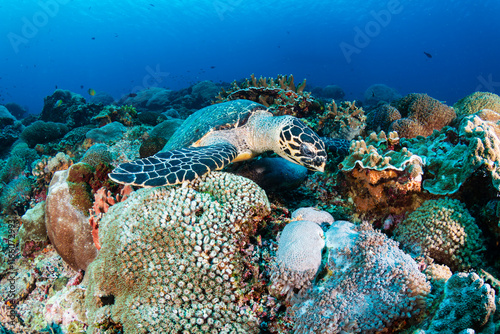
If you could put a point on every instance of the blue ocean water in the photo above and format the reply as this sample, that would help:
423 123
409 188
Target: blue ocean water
447 49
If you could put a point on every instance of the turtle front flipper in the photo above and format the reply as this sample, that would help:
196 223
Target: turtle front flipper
173 167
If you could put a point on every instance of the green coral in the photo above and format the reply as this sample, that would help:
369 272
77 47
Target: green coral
443 230
477 101
453 156
170 259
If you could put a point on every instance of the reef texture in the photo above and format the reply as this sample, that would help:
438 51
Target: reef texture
452 156
469 303
298 257
280 95
381 174
421 116
371 285
344 120
170 262
477 101
442 230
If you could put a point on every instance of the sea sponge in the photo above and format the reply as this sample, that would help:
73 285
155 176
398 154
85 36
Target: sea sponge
32 233
442 230
421 116
469 303
477 101
170 261
298 257
370 285
68 226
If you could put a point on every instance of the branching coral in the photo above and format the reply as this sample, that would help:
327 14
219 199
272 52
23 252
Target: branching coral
126 115
442 230
280 95
170 258
345 120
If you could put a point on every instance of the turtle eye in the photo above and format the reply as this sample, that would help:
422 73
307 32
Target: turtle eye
306 150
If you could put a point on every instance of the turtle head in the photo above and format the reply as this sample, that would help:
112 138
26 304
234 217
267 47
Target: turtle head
301 145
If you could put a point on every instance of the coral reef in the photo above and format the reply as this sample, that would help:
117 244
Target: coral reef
170 261
333 92
381 118
345 120
97 154
469 303
382 175
32 234
371 285
16 110
68 226
442 230
125 115
280 95
16 195
453 156
421 115
41 132
313 215
477 101
109 132
298 257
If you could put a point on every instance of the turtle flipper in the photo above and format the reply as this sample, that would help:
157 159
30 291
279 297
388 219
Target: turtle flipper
173 167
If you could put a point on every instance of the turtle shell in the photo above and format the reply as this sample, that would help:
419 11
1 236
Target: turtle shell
219 116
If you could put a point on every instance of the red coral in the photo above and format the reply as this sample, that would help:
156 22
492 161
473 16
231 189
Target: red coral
103 200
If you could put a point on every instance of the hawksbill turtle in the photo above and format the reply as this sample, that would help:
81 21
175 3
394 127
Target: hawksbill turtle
220 134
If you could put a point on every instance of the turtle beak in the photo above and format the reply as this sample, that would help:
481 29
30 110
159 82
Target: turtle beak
317 165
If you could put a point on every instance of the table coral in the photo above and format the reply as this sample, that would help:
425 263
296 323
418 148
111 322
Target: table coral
442 230
381 175
371 285
170 260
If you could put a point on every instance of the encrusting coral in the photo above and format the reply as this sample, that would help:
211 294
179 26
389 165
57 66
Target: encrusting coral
169 259
370 285
442 230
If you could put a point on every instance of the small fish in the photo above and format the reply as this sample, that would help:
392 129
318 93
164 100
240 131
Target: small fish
81 86
93 38
151 5
56 86
132 95
428 54
58 104
91 92
212 67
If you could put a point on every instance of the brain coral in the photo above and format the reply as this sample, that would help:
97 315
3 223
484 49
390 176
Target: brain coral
476 102
421 116
170 261
468 304
442 230
298 257
371 285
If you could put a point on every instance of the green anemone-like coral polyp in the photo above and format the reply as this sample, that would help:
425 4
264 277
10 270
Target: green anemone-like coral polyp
170 258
